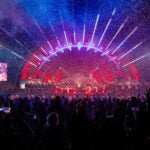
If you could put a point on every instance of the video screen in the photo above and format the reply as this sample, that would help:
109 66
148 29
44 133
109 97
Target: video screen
3 71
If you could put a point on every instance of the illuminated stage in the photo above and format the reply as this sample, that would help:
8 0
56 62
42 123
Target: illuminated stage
81 85
81 69
90 45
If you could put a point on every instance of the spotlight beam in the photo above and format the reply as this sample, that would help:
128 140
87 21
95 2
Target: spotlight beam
129 35
36 57
83 34
41 31
31 63
49 44
107 26
17 55
74 35
85 17
137 59
8 34
44 50
66 37
14 53
52 27
64 31
43 34
29 34
118 31
25 30
129 51
95 27
17 41
74 24
108 23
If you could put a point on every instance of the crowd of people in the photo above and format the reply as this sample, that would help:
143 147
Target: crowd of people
74 123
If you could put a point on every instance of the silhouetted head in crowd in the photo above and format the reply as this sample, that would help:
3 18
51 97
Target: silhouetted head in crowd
53 119
79 107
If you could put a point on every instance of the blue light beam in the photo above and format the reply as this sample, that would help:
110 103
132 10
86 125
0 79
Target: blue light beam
84 27
137 59
14 53
129 51
43 34
83 34
129 35
74 24
52 27
107 26
118 31
8 34
95 27
62 22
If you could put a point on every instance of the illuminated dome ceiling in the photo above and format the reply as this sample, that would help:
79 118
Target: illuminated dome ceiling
107 40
